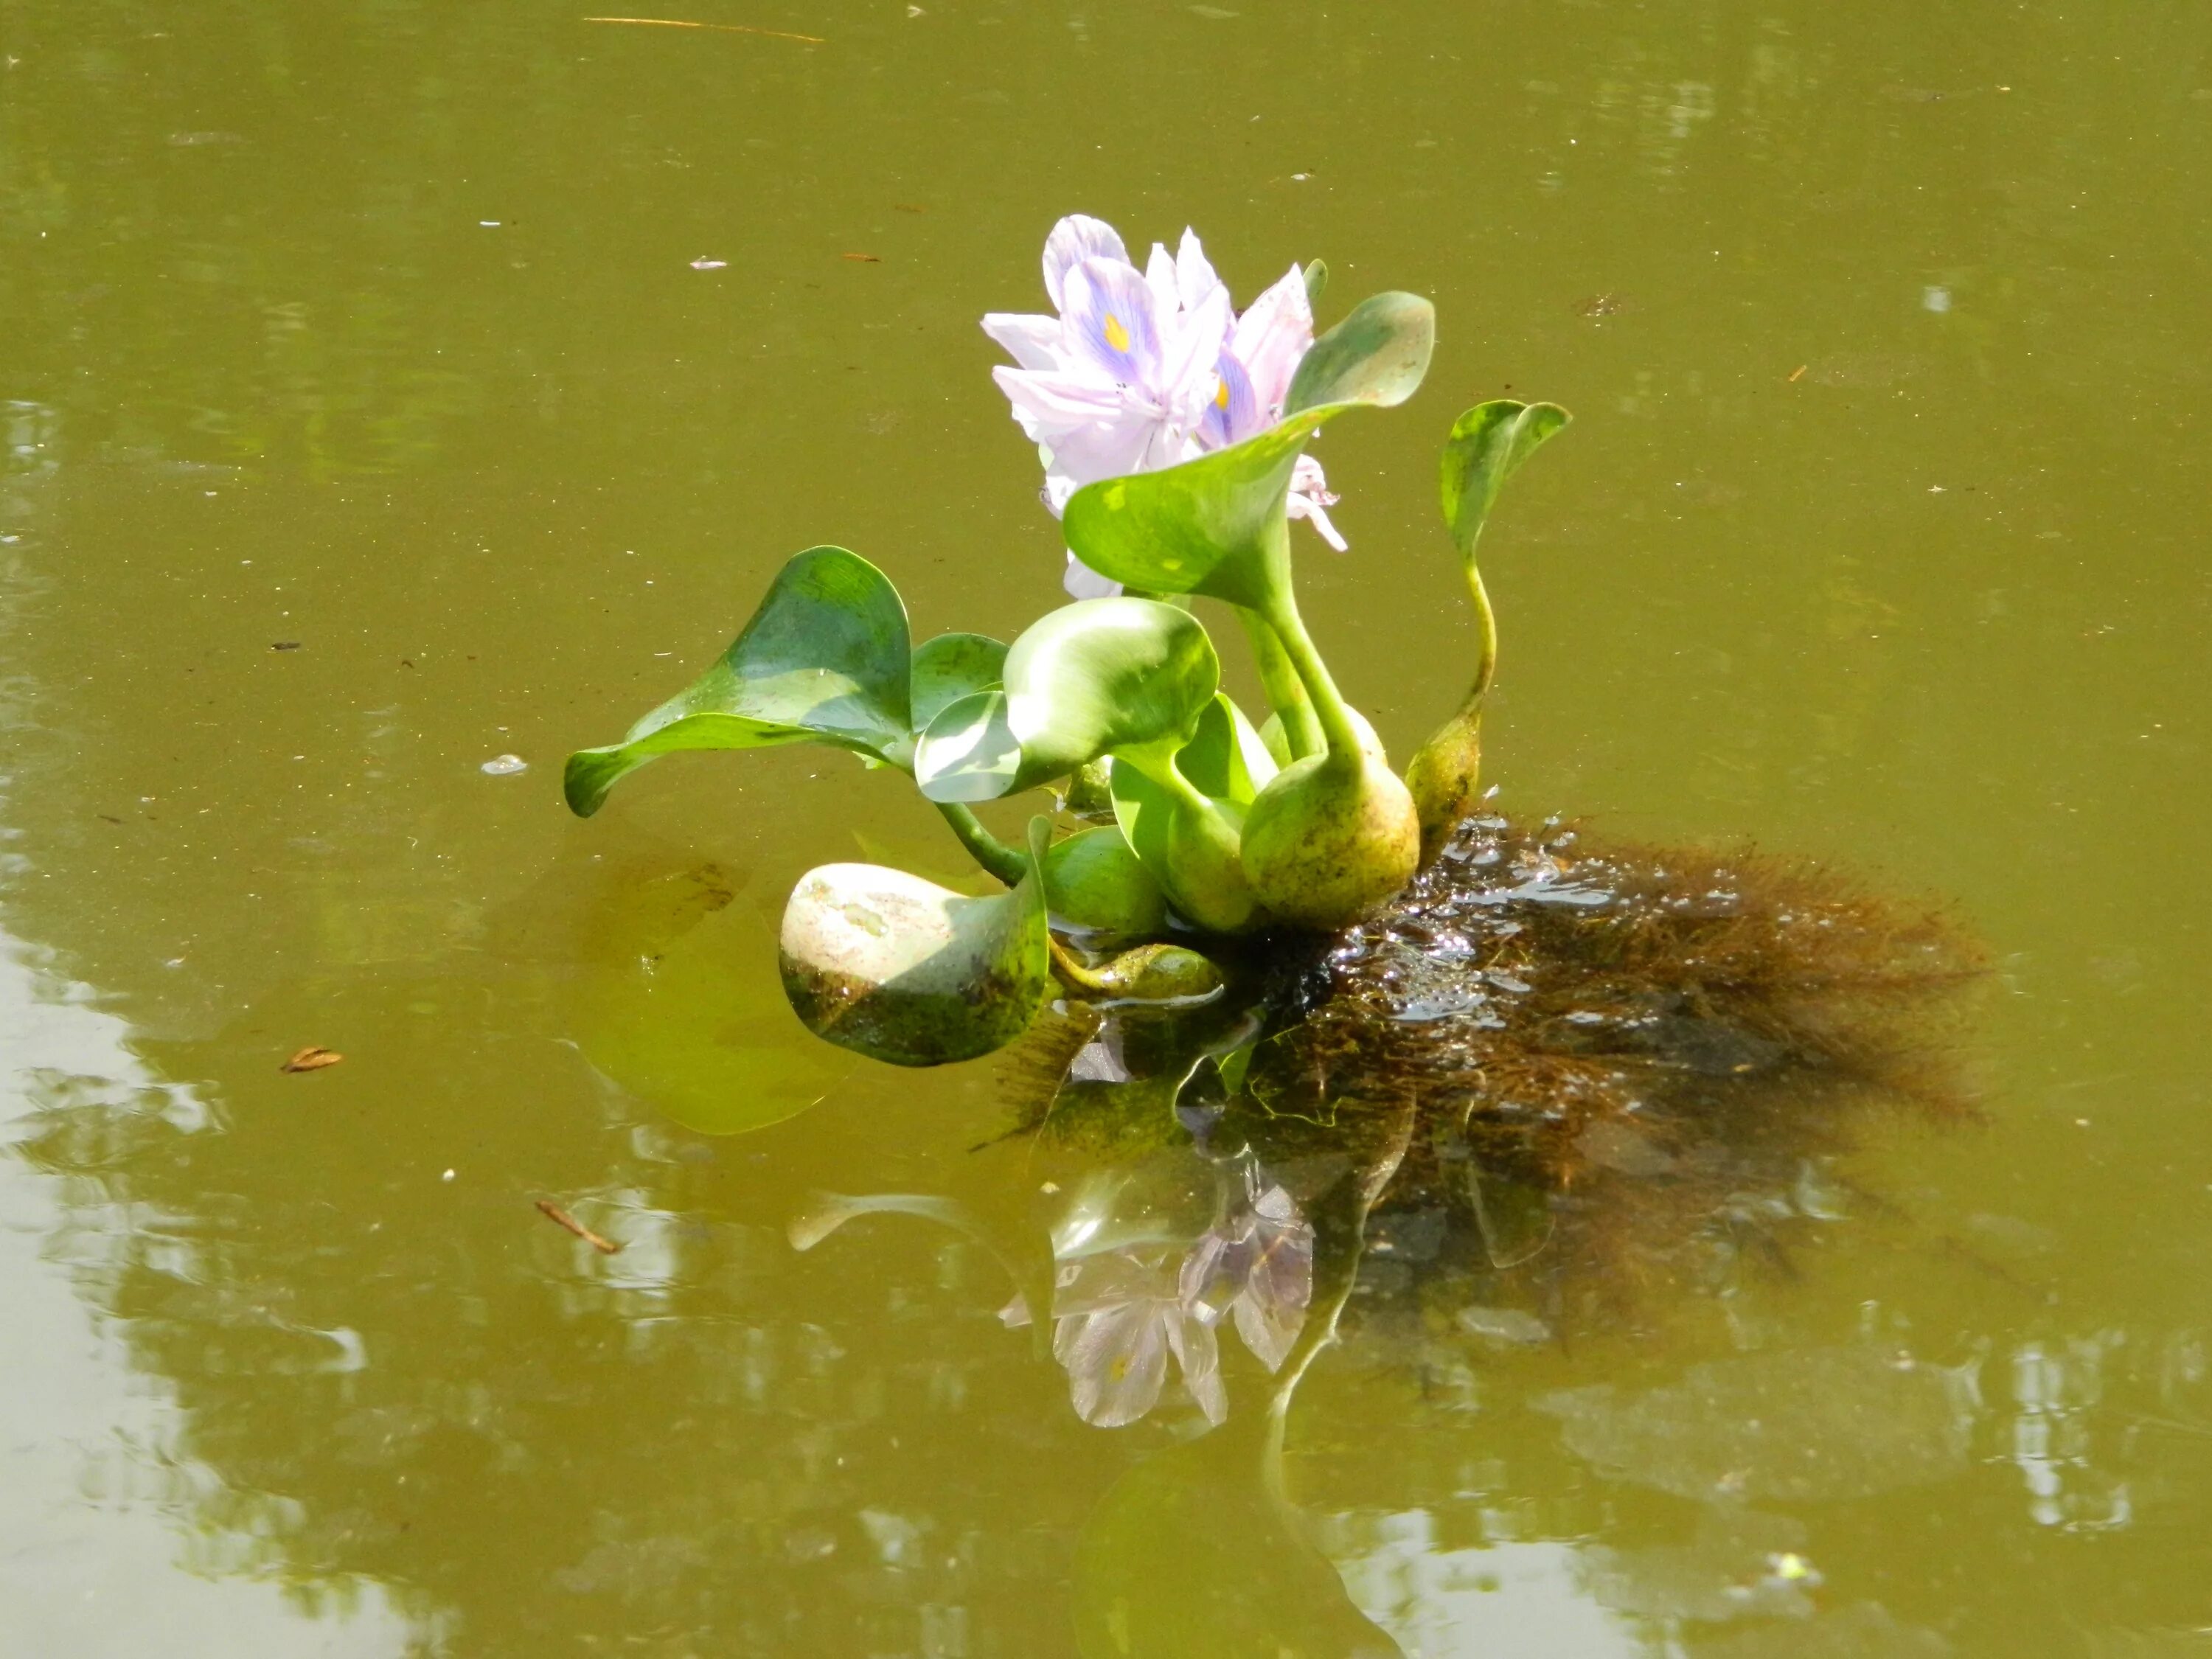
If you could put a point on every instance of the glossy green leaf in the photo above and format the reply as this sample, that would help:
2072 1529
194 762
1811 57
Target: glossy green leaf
1317 276
1093 880
825 660
1216 525
969 753
952 667
1188 840
1379 354
1487 447
1086 679
901 969
1226 758
1102 674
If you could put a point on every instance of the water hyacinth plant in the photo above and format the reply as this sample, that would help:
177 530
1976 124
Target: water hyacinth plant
1173 432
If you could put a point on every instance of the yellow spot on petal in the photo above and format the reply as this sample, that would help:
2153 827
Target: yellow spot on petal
1221 396
1116 336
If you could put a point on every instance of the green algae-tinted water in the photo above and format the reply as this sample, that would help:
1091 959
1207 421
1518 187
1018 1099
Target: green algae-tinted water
389 387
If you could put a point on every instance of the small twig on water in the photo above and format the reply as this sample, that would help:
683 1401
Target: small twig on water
719 28
554 1213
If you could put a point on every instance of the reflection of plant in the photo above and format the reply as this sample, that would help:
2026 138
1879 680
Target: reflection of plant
1119 1313
1174 436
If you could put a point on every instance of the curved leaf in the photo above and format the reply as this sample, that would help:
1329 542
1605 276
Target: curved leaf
969 753
1088 678
1377 355
1102 674
1094 881
901 969
825 659
1487 447
950 667
1226 757
1216 524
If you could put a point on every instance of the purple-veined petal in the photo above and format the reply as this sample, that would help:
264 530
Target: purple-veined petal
1187 379
1232 414
1073 239
1274 332
1108 323
1033 341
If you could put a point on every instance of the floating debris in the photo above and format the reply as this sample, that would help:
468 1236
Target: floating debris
504 766
560 1218
717 28
703 263
312 1058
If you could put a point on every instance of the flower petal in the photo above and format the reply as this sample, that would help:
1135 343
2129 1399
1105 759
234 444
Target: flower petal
1187 380
1275 330
1048 403
1073 239
1108 323
1194 275
1160 277
1233 415
1033 340
1082 582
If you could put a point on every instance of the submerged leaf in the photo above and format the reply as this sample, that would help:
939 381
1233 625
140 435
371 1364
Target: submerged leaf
826 658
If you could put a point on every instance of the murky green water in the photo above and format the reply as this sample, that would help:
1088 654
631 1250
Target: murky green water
367 417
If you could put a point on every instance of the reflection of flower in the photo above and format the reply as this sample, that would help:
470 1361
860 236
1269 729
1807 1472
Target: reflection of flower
1116 1319
1263 1258
1139 371
1119 1314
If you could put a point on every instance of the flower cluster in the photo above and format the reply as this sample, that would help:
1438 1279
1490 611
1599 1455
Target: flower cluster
1141 370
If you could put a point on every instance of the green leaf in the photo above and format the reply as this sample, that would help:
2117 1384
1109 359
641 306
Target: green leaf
969 753
1103 674
952 667
903 970
1086 679
1377 355
1188 840
1317 274
1093 880
1226 757
825 660
1487 447
1215 525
